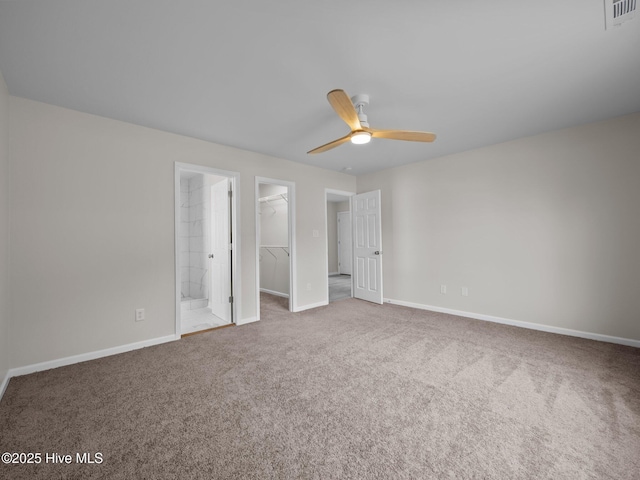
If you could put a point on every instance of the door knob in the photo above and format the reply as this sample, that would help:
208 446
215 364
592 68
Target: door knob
377 252
211 255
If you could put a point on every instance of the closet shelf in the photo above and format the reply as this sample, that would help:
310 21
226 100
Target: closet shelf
277 196
269 247
271 198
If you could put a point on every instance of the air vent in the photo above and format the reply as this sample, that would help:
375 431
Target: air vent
618 11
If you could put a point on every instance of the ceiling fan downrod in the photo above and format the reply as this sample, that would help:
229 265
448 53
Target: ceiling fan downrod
359 102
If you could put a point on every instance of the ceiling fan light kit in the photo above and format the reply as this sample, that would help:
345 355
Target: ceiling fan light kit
360 138
350 110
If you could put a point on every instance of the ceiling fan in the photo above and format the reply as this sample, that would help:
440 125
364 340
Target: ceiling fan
350 110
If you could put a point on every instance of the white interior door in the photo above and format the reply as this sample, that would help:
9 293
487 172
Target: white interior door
220 255
367 247
344 243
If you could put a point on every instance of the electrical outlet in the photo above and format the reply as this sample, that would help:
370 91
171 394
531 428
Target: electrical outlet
315 233
443 289
464 291
308 287
139 314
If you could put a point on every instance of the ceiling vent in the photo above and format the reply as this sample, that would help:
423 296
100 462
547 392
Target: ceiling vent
618 11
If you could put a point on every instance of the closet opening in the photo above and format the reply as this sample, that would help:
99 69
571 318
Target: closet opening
339 245
275 254
205 259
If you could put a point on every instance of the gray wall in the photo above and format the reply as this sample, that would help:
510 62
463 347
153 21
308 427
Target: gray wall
4 230
93 228
543 229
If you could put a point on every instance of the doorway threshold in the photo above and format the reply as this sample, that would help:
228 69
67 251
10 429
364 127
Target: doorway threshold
207 330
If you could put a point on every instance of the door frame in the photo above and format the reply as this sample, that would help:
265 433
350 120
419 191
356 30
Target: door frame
291 219
234 182
344 193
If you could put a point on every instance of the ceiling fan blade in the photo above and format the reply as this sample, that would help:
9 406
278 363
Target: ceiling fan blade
330 145
402 135
341 103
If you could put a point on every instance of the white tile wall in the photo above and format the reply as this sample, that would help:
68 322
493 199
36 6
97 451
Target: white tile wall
196 244
184 273
194 241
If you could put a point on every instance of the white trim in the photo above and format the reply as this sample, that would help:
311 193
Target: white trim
291 211
273 292
83 357
5 384
234 181
327 191
344 193
334 273
518 323
245 321
311 305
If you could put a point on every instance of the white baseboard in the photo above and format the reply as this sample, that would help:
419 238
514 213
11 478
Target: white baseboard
517 323
244 321
310 306
4 384
83 357
273 292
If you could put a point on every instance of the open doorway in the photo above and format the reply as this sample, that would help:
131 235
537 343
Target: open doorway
205 261
339 245
275 246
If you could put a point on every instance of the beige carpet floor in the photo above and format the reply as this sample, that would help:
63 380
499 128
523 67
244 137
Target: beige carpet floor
351 390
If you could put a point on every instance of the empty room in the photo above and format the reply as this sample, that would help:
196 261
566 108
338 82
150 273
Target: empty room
329 239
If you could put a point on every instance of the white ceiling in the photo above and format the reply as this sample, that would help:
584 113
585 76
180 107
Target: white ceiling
255 74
